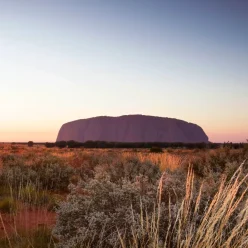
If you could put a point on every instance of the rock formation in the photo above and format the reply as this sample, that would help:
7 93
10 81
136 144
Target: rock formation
132 128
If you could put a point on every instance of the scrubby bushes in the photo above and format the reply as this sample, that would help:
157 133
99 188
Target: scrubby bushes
126 203
99 208
15 173
52 173
218 162
47 172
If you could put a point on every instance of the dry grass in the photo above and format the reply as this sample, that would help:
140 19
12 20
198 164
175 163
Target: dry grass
224 223
164 160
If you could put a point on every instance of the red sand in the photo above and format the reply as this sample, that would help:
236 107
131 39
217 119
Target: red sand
26 220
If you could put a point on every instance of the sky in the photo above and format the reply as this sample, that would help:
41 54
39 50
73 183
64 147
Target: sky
64 60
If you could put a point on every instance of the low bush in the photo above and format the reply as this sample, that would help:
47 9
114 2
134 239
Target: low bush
47 172
61 144
49 145
111 200
52 173
15 174
30 144
156 150
216 163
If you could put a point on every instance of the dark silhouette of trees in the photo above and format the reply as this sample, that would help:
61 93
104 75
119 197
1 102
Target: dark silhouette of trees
30 144
135 145
61 144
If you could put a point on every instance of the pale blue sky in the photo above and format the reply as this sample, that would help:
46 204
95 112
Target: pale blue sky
66 60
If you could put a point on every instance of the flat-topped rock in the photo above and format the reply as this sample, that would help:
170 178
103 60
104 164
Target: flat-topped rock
132 128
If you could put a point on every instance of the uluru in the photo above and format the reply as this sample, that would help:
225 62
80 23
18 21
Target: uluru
132 128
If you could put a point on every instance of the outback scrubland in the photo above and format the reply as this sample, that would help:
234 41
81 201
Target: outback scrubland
73 198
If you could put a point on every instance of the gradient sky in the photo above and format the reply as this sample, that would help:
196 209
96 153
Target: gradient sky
66 60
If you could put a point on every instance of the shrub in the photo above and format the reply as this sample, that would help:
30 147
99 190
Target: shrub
30 144
111 199
15 174
61 144
156 150
73 144
52 173
49 145
47 172
8 157
14 148
217 163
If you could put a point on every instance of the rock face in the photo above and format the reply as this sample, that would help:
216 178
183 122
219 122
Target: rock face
132 128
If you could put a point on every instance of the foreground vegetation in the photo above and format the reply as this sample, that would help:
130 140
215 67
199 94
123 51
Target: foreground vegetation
122 198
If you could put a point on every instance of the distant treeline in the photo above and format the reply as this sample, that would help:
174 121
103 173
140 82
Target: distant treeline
104 144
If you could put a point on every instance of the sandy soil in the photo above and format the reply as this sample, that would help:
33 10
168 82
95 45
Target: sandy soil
26 220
